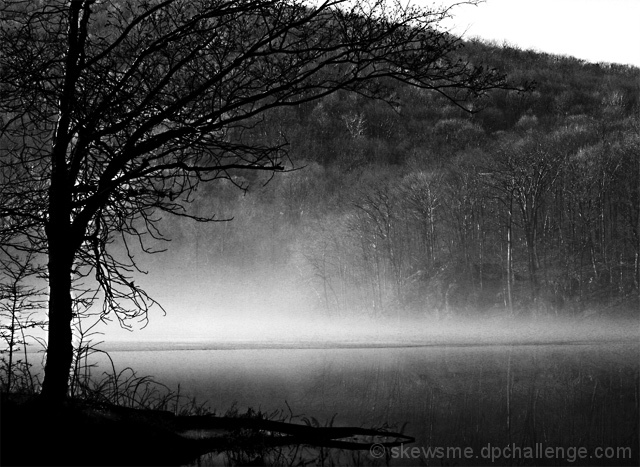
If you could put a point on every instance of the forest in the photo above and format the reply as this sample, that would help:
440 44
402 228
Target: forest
388 170
360 162
521 203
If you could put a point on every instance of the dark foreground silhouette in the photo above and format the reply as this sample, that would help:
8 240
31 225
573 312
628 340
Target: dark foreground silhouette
83 433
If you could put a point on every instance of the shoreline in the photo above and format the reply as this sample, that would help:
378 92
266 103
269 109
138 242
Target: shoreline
133 346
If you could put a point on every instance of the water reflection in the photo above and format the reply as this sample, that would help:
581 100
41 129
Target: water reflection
556 395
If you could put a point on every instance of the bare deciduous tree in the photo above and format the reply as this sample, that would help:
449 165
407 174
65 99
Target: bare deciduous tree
113 111
20 306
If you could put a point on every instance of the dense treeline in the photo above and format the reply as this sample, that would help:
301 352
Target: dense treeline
529 205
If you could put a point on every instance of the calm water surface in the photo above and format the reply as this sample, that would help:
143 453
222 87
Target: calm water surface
467 396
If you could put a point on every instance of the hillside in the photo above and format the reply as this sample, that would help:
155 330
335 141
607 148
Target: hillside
414 206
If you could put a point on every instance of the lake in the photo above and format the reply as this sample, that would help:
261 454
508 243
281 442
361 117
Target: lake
548 404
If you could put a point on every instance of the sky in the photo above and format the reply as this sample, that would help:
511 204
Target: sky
593 30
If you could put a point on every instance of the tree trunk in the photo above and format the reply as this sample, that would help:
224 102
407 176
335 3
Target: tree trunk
60 346
61 254
62 243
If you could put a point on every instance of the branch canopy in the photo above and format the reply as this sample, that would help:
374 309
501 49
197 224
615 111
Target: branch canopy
114 110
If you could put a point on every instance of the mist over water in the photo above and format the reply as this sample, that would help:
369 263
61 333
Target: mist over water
273 306
320 332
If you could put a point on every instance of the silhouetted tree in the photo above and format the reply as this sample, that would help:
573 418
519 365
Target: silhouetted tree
20 304
113 112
